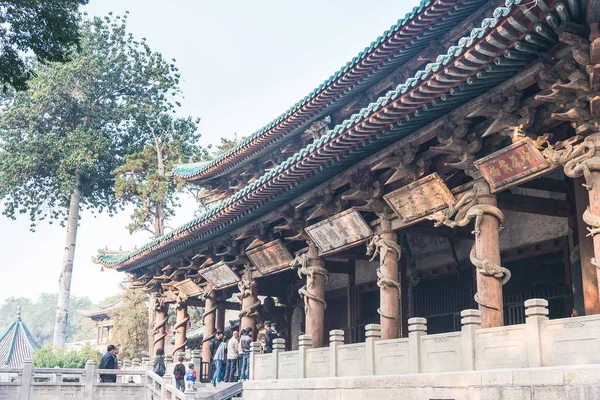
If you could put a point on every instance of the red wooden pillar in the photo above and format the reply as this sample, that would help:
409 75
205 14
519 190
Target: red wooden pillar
208 318
489 288
389 294
315 309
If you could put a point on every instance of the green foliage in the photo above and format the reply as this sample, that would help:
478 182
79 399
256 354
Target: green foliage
48 28
49 357
79 119
227 144
130 330
143 179
39 316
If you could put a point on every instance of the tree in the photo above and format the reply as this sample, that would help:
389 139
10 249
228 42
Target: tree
131 324
39 316
48 28
144 179
61 138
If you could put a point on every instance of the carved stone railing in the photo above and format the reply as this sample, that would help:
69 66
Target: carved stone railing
539 342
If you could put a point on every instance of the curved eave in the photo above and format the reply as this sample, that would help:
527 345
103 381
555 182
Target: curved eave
427 22
432 93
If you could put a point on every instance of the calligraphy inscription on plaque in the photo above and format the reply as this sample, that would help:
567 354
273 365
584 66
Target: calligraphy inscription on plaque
512 165
339 232
270 257
188 288
220 275
420 198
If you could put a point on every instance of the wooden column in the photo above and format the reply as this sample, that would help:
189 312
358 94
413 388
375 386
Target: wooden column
587 249
314 296
180 327
351 302
220 324
249 298
208 319
160 325
404 284
387 280
489 288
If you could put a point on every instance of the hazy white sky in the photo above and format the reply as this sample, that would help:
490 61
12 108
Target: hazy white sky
243 63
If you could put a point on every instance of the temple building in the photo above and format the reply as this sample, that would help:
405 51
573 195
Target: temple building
451 165
103 319
16 344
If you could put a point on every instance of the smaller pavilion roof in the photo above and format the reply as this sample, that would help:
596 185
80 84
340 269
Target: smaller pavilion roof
100 314
17 344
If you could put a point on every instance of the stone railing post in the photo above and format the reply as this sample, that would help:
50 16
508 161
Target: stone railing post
336 338
471 321
146 365
135 363
372 335
126 365
197 361
304 343
417 327
278 347
90 380
167 379
26 379
536 311
254 351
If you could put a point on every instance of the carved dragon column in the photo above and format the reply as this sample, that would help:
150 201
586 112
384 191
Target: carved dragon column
208 319
161 311
249 297
487 251
181 322
385 244
313 267
480 205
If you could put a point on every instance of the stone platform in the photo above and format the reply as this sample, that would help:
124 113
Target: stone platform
576 382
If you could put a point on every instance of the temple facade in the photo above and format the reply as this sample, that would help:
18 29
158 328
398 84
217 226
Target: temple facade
452 165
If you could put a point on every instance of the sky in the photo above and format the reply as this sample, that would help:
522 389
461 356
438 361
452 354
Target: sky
243 63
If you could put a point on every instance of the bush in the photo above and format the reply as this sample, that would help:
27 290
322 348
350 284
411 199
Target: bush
49 357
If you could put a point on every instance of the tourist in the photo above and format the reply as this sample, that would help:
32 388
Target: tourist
179 374
268 338
219 358
190 377
159 362
232 356
214 345
245 341
109 361
130 379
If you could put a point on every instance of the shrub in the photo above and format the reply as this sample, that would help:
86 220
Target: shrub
49 357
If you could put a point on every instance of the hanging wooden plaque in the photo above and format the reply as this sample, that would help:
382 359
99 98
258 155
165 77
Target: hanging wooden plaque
188 288
339 232
514 164
169 296
220 275
270 257
420 198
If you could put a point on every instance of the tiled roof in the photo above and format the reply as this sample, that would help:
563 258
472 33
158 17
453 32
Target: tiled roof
16 344
476 64
402 41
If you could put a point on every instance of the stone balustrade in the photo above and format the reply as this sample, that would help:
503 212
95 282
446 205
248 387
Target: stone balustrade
539 342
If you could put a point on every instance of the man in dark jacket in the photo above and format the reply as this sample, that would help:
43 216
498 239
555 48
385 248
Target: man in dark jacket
214 345
109 361
268 338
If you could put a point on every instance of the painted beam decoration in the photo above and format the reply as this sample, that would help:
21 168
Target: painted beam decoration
339 232
420 198
270 257
220 275
189 288
512 165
